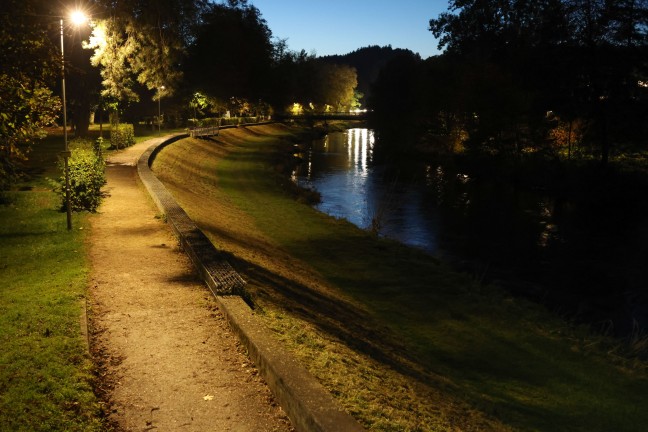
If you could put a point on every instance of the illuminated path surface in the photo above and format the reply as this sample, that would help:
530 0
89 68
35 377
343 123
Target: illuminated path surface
170 362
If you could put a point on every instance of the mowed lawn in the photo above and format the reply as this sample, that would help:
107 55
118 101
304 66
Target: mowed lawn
45 370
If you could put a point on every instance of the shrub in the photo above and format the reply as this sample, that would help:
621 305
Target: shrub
97 147
230 121
87 176
122 135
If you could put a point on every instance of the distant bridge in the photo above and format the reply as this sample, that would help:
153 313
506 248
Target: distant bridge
323 116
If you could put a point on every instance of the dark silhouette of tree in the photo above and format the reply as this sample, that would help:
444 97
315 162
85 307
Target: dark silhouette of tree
291 76
84 81
232 52
578 59
311 82
396 102
367 62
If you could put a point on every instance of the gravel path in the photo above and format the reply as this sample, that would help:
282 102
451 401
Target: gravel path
167 358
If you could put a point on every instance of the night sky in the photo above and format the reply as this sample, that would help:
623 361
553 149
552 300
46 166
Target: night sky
327 27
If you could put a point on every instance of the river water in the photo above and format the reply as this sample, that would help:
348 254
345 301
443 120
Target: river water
587 260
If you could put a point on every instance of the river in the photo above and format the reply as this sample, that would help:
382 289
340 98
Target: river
585 259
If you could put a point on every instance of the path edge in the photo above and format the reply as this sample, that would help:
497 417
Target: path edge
310 407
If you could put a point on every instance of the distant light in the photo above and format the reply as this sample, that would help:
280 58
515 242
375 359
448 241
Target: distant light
643 84
78 17
296 109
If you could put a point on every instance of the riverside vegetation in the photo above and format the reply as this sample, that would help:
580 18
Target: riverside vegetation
401 340
46 374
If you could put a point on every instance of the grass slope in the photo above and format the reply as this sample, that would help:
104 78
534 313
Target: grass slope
402 341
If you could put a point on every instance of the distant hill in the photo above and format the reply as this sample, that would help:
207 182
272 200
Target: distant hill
368 61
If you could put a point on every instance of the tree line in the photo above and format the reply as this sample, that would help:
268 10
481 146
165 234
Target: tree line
559 78
202 58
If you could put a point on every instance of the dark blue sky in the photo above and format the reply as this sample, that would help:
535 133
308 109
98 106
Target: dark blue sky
340 26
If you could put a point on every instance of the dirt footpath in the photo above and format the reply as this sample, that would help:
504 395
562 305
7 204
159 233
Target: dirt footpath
168 360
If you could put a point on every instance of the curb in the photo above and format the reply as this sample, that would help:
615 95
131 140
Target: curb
308 404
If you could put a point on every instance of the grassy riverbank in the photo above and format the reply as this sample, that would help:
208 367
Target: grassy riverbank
45 371
401 340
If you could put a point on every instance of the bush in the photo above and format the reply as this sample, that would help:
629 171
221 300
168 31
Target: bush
97 147
87 176
122 135
223 121
230 121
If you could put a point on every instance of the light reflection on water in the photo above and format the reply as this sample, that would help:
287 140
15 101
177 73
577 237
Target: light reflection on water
417 204
339 167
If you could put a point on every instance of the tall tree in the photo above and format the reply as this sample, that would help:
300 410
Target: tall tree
29 65
143 41
367 61
629 22
334 86
112 53
574 57
232 53
396 101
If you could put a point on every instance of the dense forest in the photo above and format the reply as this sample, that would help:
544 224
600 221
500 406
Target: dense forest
368 62
564 78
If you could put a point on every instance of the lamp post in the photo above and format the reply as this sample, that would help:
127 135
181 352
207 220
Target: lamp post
66 153
77 18
159 111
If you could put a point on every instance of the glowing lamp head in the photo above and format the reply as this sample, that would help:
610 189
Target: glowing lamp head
78 18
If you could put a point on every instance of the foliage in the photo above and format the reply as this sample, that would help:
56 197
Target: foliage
122 135
314 84
211 53
198 103
232 52
254 69
111 52
29 64
566 136
367 62
508 63
143 42
25 109
334 86
86 175
395 103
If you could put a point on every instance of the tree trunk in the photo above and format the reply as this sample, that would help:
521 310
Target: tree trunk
605 139
81 120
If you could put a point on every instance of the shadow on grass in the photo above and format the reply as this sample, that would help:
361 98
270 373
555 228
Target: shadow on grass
340 319
423 323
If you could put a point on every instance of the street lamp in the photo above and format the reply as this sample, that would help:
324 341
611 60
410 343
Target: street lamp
159 111
77 18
